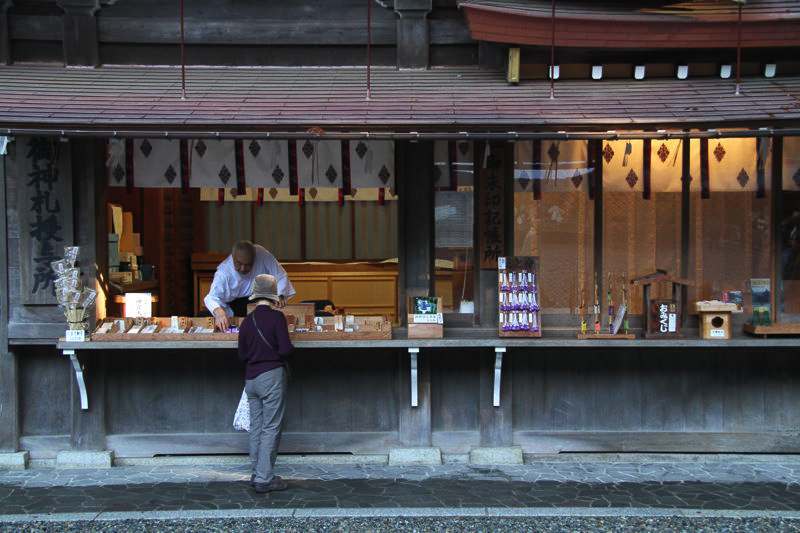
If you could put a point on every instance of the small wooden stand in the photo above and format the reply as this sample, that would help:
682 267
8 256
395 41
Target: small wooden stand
424 330
606 336
652 309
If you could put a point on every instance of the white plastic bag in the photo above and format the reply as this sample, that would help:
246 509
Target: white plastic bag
241 419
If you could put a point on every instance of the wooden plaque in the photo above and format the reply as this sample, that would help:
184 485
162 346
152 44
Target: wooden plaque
44 201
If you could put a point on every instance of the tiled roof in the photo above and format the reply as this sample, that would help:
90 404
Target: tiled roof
666 10
446 99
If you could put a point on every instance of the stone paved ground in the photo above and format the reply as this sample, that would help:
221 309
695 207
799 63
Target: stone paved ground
765 491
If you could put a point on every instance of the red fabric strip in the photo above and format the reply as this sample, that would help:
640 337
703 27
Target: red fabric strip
453 160
301 197
382 196
347 185
761 178
241 182
648 144
537 169
220 196
129 164
594 160
186 168
705 189
260 200
293 178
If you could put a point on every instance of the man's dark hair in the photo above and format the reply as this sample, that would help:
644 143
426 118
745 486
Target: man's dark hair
244 246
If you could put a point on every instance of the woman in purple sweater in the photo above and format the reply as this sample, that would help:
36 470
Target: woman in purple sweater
263 346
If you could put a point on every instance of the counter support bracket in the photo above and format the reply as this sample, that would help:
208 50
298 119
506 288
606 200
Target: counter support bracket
498 374
76 366
413 354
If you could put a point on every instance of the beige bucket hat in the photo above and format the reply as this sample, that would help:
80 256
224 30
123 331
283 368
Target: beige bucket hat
265 286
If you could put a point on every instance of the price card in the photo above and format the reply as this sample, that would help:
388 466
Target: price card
76 335
436 318
717 333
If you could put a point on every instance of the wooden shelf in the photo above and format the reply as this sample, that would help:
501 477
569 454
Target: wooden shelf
773 329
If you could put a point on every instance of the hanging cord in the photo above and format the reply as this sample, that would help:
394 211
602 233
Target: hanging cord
739 50
369 48
553 52
183 58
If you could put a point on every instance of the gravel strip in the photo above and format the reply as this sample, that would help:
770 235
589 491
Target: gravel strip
448 524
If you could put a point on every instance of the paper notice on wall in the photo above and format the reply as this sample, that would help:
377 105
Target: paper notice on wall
116 218
138 304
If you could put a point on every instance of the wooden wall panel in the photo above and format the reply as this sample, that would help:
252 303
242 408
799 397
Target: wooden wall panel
655 390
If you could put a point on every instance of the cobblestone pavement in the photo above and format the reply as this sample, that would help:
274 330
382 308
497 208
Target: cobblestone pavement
666 484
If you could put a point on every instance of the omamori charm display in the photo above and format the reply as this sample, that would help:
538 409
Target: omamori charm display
518 297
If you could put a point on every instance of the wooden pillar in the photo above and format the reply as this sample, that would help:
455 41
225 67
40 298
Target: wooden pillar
9 401
89 225
497 165
80 43
413 34
686 221
89 426
415 421
414 161
776 205
596 156
9 374
496 424
5 32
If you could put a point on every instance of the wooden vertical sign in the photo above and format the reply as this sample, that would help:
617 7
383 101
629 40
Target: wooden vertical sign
491 194
44 200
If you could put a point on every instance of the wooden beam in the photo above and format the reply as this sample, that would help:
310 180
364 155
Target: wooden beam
413 34
80 39
5 32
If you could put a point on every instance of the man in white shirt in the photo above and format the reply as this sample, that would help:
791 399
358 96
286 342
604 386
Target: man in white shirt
233 281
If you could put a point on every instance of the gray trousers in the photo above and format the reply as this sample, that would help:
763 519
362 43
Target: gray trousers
266 395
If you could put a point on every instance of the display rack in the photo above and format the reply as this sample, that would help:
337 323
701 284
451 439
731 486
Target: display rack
518 297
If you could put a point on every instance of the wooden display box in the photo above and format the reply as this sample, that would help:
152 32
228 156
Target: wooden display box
419 329
347 327
300 320
715 319
123 328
